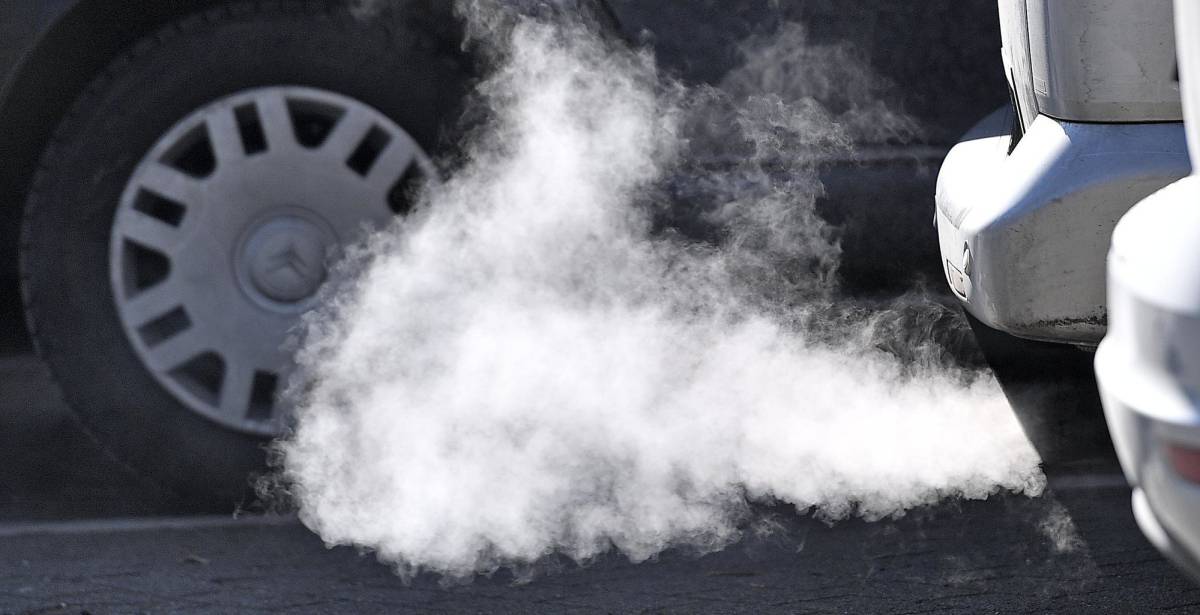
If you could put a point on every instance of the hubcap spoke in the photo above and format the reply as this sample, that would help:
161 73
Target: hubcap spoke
225 137
276 120
171 183
175 351
153 302
150 232
236 390
350 130
399 155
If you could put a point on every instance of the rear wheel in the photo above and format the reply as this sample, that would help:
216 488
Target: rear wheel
1052 389
185 212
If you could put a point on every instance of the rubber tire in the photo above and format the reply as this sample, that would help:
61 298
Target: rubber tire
383 60
1052 389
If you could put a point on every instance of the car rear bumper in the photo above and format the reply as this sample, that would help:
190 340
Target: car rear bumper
1023 234
1166 506
1148 366
1148 522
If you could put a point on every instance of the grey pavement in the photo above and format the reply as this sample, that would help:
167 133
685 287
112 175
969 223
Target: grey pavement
80 534
967 557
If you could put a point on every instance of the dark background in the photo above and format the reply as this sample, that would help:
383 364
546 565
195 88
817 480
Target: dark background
941 57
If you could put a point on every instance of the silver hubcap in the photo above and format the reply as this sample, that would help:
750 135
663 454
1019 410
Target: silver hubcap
226 229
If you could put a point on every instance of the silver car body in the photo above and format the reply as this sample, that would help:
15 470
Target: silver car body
1027 201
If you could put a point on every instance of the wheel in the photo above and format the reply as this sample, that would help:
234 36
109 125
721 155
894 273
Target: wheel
1052 389
185 212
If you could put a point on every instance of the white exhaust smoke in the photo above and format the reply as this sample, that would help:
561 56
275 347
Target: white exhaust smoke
531 365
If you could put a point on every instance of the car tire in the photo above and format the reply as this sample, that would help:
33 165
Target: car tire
1052 389
389 62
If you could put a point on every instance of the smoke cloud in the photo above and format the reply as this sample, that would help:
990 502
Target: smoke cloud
616 325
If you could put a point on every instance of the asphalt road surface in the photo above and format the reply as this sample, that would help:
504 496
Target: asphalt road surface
79 533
